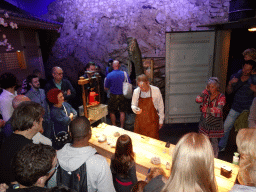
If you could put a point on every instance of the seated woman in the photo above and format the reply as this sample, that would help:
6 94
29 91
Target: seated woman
246 145
62 113
123 165
192 165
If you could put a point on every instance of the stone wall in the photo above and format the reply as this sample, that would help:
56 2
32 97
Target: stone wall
96 30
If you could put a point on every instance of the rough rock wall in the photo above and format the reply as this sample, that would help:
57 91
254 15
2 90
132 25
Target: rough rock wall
95 30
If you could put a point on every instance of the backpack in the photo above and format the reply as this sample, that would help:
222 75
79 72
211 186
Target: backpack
76 180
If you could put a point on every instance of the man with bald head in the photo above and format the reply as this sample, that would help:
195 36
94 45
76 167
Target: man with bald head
8 129
117 102
60 83
78 154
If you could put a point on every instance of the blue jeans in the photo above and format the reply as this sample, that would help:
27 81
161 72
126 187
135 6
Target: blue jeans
228 124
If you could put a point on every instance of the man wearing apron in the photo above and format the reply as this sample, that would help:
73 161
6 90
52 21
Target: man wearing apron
147 104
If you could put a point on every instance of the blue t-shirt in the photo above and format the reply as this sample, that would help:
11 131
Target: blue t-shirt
114 82
243 94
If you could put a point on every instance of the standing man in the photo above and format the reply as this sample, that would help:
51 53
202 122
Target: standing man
117 102
8 83
74 157
38 95
90 67
148 105
60 83
26 122
243 92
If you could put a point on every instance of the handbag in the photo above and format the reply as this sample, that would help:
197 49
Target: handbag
62 137
127 87
212 121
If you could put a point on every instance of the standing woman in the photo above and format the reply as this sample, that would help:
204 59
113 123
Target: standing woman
148 105
62 113
211 121
123 166
192 166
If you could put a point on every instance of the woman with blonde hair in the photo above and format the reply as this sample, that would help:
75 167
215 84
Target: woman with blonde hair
192 165
246 145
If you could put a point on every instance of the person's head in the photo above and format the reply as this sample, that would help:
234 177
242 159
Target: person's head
8 80
143 83
57 74
124 155
139 186
97 69
37 72
34 164
248 67
110 62
116 65
213 85
249 54
80 129
246 145
28 116
192 165
91 66
124 146
33 81
18 100
55 96
154 172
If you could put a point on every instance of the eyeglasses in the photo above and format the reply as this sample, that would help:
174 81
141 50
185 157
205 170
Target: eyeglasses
54 168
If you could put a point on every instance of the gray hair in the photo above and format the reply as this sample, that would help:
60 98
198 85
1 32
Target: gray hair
214 80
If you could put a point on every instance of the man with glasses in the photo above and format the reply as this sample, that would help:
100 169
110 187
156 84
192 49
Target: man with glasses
33 165
60 83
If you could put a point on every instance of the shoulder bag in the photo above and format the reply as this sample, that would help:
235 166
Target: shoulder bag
127 87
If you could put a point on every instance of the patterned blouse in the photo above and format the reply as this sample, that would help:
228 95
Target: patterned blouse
214 107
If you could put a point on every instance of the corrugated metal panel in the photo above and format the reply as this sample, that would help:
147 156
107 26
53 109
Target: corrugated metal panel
189 61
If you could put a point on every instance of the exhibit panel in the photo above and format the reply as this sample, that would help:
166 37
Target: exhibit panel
189 63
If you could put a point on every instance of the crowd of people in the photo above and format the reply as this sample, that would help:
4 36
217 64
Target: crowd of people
35 122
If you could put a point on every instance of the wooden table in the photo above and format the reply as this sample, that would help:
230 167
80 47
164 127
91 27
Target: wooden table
145 148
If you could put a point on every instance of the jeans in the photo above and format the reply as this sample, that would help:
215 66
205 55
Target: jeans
228 124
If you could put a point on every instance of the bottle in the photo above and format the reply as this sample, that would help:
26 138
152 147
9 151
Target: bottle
236 158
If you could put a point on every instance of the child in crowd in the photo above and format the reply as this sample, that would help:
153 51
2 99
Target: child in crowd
123 165
192 165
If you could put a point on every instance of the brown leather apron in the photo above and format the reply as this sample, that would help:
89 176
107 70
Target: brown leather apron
147 123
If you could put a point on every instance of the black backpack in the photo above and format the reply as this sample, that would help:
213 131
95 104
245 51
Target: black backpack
76 180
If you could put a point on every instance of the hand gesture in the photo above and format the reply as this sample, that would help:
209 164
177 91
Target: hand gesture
138 110
68 92
233 80
2 122
3 187
253 87
71 116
